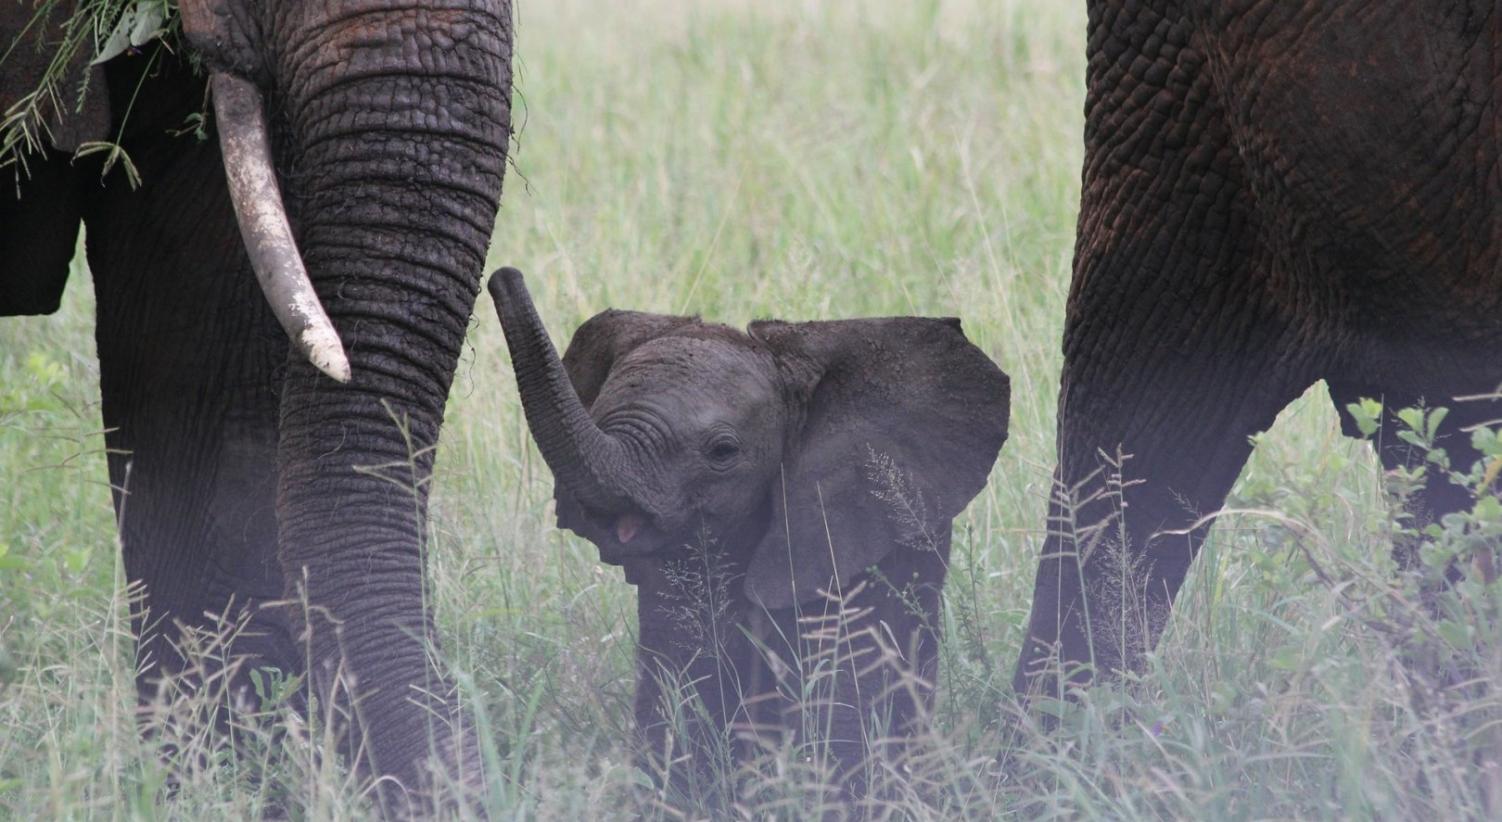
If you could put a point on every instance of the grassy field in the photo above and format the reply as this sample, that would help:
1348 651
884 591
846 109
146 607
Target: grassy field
796 160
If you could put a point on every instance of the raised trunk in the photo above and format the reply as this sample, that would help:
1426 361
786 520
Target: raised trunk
397 151
584 460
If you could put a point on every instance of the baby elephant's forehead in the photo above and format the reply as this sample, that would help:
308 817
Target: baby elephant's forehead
714 370
702 361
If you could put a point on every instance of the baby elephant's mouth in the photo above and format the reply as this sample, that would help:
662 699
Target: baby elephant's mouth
628 536
620 536
627 526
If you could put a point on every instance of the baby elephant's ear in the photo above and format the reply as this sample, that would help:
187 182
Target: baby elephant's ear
903 419
605 338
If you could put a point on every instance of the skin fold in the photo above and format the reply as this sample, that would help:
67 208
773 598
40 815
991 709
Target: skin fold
782 500
1274 194
235 465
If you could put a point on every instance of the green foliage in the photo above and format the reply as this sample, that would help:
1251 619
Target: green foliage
1367 413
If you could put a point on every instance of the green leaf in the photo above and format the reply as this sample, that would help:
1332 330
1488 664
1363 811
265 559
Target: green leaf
148 24
139 23
1436 417
1487 442
1413 418
1487 509
44 369
76 560
118 41
1367 414
1056 708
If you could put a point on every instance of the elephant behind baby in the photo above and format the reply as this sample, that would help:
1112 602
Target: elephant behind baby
1274 193
782 500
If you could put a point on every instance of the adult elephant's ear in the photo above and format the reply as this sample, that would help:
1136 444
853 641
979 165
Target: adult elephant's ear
41 193
75 106
605 338
903 419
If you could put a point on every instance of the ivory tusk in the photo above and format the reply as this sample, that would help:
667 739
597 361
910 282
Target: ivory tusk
246 146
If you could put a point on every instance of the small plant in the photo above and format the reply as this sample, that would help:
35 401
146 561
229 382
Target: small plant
1440 614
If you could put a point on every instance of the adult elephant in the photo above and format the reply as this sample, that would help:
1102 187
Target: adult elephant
1274 193
241 472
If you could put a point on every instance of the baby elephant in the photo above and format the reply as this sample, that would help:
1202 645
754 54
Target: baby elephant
782 500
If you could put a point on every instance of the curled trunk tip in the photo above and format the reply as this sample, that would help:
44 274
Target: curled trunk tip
585 461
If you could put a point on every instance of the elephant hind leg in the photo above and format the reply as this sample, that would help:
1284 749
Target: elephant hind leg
1189 326
1136 479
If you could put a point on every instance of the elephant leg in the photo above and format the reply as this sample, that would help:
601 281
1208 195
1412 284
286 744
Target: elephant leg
906 610
695 667
192 464
189 356
1186 332
838 641
1429 502
882 654
1126 518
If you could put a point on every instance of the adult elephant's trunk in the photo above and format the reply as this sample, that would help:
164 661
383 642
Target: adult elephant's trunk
585 460
394 122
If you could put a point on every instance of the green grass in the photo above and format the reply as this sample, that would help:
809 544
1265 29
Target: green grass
805 161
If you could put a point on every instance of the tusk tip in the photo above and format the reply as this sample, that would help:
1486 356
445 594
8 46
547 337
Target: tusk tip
324 350
337 370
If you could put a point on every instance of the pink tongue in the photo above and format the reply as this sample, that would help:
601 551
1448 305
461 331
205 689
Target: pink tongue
627 526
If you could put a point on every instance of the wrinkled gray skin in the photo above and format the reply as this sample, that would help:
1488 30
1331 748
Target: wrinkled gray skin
737 475
236 465
1275 193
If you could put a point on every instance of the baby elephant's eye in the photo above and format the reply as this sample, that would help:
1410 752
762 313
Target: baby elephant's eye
723 449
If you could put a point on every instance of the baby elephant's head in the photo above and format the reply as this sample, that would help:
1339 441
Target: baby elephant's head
809 449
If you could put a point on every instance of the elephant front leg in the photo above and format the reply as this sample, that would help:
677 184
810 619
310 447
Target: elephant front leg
869 664
695 669
188 357
197 522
